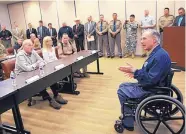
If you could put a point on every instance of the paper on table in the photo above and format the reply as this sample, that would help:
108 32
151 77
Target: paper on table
93 51
80 57
32 79
59 66
90 39
10 56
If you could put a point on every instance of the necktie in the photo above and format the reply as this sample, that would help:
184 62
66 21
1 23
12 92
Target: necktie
89 27
41 32
179 21
76 28
101 27
50 32
114 26
17 30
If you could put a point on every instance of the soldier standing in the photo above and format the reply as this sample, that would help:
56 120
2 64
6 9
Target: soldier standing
102 31
131 36
115 27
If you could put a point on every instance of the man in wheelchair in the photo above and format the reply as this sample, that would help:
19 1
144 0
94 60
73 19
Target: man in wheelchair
153 73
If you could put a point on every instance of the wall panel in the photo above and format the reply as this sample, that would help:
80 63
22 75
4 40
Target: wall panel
32 13
49 13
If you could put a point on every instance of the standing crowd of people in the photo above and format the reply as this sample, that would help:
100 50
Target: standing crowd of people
106 33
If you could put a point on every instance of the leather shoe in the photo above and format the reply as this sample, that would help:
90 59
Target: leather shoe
129 128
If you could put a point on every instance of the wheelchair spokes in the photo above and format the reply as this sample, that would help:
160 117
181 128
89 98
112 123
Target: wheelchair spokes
159 115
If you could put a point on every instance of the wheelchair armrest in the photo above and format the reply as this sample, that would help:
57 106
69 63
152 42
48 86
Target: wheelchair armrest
154 88
173 63
175 70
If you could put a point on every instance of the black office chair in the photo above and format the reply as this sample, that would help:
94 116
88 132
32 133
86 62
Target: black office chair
161 105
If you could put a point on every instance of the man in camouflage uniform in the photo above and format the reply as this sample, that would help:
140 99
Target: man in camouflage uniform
115 27
131 36
2 50
102 31
165 21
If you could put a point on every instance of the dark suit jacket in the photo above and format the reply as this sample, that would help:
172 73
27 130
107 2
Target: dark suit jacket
79 31
28 32
44 32
54 34
177 19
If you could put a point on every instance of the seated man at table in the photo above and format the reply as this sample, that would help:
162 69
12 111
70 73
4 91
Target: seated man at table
18 45
28 60
153 73
66 48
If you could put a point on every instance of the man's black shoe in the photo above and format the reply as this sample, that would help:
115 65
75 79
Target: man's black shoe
129 128
112 56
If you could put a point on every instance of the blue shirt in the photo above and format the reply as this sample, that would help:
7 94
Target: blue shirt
180 19
155 68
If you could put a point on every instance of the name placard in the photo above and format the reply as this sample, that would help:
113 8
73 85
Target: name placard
32 79
11 56
80 58
93 51
59 66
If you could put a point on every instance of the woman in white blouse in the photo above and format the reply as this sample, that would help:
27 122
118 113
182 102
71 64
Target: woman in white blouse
49 56
48 51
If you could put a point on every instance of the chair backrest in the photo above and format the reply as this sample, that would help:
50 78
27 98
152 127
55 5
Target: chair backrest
56 51
39 52
8 66
169 78
10 50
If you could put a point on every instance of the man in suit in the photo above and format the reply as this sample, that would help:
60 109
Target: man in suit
180 20
42 32
53 34
78 32
90 30
149 75
65 29
17 33
30 31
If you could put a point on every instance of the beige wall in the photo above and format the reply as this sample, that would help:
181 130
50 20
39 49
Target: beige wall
58 11
4 17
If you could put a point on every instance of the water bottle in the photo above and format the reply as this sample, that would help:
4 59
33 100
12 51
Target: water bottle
13 78
41 69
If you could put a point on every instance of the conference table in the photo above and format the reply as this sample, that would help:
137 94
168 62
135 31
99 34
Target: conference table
30 83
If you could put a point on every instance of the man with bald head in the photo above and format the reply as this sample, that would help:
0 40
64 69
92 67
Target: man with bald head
28 60
153 73
147 22
65 29
5 36
32 37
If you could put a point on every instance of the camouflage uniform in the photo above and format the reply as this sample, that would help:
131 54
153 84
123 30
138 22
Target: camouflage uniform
131 37
2 50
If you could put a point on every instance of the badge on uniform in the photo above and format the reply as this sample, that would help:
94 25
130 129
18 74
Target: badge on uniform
145 64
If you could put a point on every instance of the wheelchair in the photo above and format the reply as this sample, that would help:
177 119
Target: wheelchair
159 109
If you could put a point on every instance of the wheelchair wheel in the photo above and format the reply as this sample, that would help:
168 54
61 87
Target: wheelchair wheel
177 94
160 119
118 126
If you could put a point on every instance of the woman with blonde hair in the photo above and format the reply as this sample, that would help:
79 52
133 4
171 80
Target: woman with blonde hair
49 56
37 44
48 51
